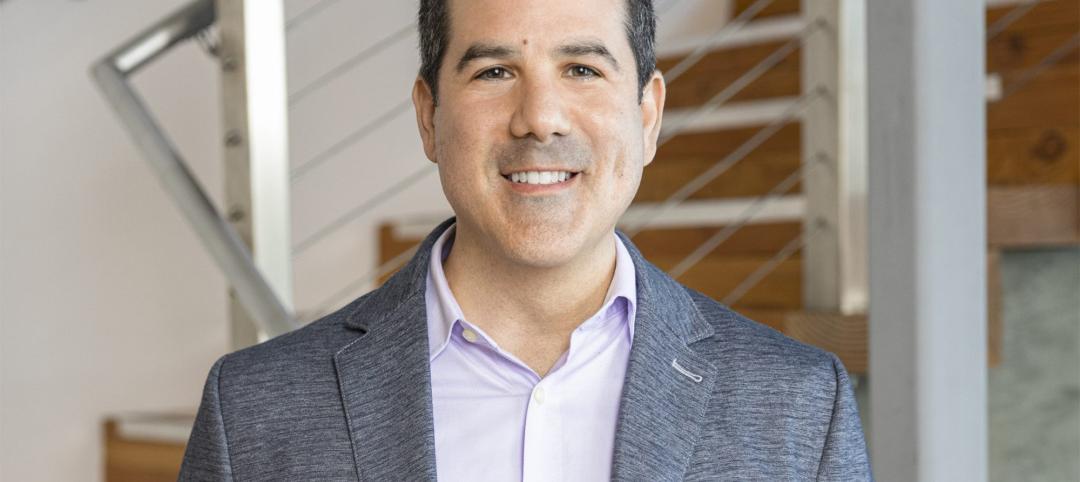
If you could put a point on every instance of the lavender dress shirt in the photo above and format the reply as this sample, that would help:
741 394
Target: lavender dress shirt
496 419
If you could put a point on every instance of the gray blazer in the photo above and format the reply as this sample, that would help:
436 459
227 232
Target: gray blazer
348 397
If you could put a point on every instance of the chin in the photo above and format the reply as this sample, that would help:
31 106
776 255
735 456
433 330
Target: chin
544 251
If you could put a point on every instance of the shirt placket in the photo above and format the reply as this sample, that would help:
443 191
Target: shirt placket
542 457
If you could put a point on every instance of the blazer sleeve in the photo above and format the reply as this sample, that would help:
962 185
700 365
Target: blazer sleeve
844 457
207 454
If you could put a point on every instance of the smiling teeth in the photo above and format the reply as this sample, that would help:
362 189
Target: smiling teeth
540 177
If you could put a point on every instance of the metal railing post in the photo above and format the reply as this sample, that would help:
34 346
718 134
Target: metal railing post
835 260
220 239
254 100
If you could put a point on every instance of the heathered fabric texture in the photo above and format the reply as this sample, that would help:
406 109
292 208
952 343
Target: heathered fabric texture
348 397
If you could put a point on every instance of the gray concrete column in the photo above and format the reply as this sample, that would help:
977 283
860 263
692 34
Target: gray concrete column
927 190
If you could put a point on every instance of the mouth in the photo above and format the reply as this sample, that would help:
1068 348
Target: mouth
540 177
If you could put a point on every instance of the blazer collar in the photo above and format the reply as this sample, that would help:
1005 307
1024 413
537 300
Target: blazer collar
668 384
385 379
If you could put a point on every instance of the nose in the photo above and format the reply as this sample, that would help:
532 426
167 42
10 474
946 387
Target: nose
540 111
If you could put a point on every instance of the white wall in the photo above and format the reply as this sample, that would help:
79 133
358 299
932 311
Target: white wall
108 302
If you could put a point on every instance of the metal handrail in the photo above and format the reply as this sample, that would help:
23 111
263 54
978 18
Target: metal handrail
217 235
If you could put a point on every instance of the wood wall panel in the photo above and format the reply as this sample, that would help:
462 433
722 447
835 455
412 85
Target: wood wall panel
1052 99
1048 14
1034 155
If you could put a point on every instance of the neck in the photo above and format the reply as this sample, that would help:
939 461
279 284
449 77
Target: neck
509 300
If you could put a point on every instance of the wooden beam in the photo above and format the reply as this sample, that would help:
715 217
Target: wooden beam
1028 216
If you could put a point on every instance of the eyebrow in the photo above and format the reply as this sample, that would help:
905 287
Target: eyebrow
484 51
588 47
578 48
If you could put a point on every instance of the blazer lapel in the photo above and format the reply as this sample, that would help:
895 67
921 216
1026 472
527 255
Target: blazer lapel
667 385
385 377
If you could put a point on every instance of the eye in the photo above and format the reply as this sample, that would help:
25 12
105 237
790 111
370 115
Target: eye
494 73
583 71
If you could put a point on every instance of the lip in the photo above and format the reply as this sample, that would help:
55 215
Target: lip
526 188
540 169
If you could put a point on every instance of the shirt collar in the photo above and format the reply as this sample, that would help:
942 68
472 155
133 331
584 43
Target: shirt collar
444 311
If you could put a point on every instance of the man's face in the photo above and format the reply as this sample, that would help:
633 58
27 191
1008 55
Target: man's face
539 86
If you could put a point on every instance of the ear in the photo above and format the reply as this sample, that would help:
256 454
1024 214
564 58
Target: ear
424 102
652 113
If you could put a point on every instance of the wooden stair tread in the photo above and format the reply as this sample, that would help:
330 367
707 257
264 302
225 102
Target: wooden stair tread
721 67
149 459
777 8
761 239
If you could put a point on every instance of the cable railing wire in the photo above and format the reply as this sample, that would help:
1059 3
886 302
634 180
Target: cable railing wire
352 62
742 82
350 139
798 243
1052 58
384 268
759 274
742 151
678 197
364 207
307 13
705 47
1015 14
744 217
378 122
714 171
367 129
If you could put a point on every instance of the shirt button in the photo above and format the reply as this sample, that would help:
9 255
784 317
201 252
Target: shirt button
538 395
470 336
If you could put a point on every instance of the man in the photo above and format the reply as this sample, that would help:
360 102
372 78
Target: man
528 339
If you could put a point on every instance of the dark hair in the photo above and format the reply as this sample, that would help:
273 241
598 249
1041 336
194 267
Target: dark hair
433 22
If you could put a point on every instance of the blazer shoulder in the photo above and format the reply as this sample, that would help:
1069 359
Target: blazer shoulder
299 353
758 345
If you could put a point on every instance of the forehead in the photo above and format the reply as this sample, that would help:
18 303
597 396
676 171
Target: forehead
537 22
